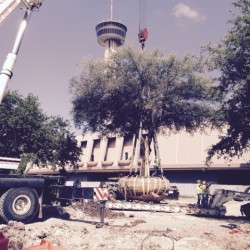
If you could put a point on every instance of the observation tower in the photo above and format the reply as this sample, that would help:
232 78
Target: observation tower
111 34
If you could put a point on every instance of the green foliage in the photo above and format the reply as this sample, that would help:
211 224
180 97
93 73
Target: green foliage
164 92
232 58
27 133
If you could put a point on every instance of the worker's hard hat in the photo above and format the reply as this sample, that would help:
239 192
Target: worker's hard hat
198 181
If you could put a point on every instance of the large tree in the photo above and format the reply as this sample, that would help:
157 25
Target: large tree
140 90
231 59
27 133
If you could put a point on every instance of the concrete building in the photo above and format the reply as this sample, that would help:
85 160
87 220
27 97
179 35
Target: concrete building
182 158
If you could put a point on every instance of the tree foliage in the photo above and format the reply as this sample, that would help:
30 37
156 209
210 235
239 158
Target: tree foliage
27 133
232 58
165 93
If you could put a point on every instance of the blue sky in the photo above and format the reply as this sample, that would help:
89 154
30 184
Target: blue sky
62 34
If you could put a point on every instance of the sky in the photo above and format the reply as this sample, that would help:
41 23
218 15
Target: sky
62 34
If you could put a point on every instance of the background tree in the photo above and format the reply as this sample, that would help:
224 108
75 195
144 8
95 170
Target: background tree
160 94
232 59
27 133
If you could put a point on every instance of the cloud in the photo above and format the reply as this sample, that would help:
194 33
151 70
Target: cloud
181 10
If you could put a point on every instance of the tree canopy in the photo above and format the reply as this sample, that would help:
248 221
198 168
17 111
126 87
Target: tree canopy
26 132
232 59
165 93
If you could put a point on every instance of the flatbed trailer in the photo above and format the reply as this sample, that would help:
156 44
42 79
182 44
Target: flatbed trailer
215 208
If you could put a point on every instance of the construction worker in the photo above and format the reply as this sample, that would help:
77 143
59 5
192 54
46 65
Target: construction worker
199 193
205 194
156 165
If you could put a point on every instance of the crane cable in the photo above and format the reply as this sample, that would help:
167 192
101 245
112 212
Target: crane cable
142 14
143 32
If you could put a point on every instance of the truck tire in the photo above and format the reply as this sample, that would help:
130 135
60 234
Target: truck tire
112 194
19 204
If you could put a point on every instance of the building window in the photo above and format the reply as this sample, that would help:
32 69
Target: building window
126 155
83 144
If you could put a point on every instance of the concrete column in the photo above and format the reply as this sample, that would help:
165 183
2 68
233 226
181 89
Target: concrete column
118 149
103 150
90 144
137 153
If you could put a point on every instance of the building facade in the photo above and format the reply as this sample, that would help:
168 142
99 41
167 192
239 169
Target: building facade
182 157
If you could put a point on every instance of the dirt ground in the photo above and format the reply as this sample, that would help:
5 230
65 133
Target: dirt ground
75 228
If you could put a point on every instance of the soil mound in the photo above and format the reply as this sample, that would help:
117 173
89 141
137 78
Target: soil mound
92 209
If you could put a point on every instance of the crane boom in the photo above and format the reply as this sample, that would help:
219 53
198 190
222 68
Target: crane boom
6 8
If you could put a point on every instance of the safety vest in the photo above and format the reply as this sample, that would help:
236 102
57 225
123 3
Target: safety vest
198 189
205 189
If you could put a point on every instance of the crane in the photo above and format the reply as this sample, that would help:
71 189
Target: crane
6 8
143 31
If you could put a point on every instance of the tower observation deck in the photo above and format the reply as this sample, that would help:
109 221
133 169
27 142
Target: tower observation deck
111 34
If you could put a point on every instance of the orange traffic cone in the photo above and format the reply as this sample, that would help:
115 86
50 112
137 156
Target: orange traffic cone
45 245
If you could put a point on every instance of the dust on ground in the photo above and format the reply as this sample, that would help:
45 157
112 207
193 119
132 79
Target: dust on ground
75 228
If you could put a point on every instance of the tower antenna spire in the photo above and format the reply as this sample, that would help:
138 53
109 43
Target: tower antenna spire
111 9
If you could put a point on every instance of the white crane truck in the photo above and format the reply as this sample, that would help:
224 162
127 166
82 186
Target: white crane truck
22 197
